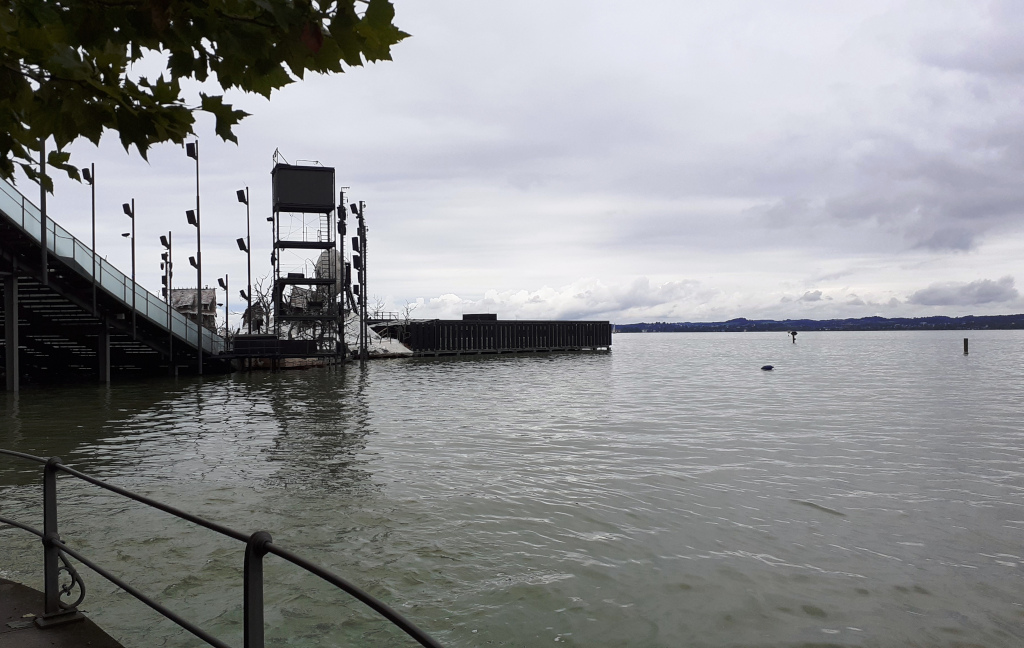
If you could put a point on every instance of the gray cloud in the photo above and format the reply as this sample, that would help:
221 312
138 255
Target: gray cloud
946 196
982 291
941 171
995 48
585 299
739 153
811 296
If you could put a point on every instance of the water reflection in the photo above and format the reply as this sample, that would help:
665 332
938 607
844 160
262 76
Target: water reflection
10 431
61 420
303 430
323 419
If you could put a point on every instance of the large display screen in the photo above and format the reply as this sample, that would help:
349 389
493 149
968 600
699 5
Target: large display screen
303 188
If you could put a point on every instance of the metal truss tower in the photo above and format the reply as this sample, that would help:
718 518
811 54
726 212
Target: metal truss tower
307 283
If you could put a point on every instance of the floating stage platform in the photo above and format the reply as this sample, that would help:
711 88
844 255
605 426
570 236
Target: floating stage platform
486 334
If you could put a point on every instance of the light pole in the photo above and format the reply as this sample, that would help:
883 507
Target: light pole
129 211
193 221
273 270
360 265
343 281
166 264
246 246
90 177
224 285
44 262
192 150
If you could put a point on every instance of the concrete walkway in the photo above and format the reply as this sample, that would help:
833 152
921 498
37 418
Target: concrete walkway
20 605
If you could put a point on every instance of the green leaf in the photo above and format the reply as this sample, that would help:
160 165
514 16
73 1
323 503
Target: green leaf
226 116
65 66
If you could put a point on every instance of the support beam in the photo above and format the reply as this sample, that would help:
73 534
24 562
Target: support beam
43 249
172 366
103 353
11 332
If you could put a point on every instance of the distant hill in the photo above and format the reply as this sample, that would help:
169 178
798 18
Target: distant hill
938 322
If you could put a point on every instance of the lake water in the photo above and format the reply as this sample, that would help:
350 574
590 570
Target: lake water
868 492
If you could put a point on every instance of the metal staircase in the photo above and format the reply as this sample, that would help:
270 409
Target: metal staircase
69 312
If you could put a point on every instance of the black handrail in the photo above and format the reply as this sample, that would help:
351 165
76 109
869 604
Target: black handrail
257 545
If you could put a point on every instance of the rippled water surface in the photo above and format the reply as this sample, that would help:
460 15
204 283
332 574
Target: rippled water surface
868 492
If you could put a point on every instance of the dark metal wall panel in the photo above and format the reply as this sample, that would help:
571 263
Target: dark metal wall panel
489 336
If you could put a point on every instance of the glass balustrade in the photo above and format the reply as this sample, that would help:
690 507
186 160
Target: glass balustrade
18 209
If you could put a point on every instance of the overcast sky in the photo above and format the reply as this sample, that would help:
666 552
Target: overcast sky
647 161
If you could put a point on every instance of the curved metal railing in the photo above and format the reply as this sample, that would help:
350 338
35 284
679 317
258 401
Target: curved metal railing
257 545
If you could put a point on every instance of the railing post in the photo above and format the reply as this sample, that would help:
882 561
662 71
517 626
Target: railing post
53 613
51 559
255 549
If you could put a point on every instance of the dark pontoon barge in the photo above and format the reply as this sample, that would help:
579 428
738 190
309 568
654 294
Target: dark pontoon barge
484 333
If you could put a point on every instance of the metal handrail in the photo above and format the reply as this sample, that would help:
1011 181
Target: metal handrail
20 211
55 552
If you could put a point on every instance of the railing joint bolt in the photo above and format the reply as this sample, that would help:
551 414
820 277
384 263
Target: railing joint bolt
259 541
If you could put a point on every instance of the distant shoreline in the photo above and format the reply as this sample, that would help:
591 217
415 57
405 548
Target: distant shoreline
741 324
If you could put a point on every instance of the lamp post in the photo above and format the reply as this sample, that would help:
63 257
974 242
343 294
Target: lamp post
192 150
224 285
166 264
246 246
44 262
343 281
273 269
360 265
90 176
193 221
129 211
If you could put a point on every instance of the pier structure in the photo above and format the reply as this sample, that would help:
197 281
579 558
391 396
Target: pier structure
69 314
478 334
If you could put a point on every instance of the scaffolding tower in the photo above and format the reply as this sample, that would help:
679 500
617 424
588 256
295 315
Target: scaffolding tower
307 285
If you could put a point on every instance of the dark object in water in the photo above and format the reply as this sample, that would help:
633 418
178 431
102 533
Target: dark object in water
819 507
767 368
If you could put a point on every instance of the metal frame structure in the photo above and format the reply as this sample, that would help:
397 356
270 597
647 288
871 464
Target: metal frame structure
257 545
305 259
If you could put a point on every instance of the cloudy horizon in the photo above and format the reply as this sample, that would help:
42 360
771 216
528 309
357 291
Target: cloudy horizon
652 162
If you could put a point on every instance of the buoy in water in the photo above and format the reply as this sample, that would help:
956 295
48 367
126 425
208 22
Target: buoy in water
767 368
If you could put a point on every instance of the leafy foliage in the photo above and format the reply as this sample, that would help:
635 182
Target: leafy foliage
66 65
